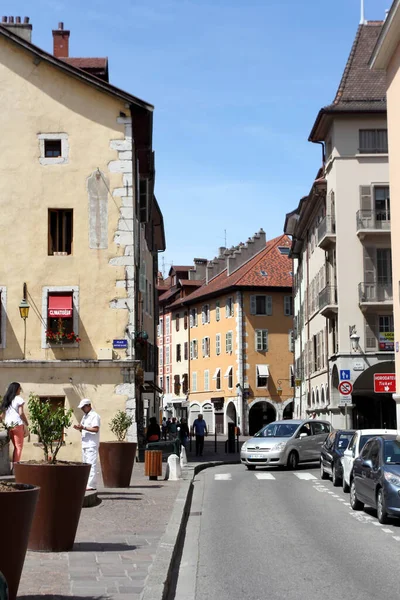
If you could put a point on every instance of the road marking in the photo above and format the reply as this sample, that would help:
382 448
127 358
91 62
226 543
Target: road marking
332 494
396 537
387 530
335 496
376 524
341 500
305 476
264 475
223 477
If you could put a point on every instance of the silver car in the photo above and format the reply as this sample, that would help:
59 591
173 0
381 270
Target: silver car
285 443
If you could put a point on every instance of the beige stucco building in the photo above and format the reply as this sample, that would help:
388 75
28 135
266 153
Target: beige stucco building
342 249
386 57
79 233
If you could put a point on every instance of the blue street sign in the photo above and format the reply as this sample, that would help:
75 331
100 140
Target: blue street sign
345 375
120 343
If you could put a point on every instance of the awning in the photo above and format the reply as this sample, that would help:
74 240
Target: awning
262 370
217 372
60 306
227 372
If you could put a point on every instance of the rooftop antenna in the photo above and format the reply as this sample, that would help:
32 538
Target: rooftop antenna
362 20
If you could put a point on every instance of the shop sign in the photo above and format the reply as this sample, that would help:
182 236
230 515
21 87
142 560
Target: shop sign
384 383
386 341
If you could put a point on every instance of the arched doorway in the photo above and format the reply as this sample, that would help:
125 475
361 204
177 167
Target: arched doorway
208 416
194 413
373 410
261 413
231 416
288 410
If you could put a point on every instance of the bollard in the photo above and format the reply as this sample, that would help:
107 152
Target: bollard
175 472
153 464
184 461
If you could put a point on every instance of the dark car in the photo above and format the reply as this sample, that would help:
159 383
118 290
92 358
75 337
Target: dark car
332 452
376 477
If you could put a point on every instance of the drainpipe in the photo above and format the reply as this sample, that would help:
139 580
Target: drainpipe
240 336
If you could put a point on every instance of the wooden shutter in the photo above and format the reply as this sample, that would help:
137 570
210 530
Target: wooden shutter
369 264
365 197
185 351
266 339
203 315
370 332
253 305
269 305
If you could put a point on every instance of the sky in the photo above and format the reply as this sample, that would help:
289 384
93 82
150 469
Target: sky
236 85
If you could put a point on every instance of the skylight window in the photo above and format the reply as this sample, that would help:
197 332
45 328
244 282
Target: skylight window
264 273
284 250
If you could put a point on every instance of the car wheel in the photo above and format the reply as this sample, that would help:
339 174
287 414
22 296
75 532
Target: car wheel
293 460
354 501
345 486
323 474
251 467
381 508
336 479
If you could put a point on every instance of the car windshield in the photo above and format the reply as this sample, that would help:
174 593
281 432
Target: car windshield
277 430
391 452
343 441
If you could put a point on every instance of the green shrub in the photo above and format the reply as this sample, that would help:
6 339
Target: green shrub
49 423
120 424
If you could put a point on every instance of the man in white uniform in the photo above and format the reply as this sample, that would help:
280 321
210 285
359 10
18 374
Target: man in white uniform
90 429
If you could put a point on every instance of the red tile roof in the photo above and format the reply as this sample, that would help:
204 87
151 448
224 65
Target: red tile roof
191 282
275 266
95 66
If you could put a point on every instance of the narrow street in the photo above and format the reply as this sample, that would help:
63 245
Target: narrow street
279 534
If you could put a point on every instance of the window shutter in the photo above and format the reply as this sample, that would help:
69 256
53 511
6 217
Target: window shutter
196 314
253 305
370 332
369 264
232 307
365 197
203 315
185 350
266 339
191 319
322 349
269 305
291 340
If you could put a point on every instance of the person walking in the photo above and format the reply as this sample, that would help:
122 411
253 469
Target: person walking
183 432
200 430
90 429
12 413
164 428
173 429
153 433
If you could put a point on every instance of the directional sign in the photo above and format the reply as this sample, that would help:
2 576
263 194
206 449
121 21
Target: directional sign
384 383
345 374
345 388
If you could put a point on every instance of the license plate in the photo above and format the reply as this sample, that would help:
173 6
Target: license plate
256 456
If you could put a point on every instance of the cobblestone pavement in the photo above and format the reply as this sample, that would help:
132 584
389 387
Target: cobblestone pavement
114 548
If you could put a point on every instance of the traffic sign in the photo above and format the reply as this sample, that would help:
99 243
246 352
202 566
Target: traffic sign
385 383
345 388
344 400
345 374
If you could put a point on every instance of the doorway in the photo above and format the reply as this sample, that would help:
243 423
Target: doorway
260 415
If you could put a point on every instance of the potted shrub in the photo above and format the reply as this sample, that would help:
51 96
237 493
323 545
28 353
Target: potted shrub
17 507
117 457
62 484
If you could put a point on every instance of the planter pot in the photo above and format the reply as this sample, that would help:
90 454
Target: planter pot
62 490
117 459
17 509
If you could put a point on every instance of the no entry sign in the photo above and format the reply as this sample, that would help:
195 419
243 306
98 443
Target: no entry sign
384 383
345 388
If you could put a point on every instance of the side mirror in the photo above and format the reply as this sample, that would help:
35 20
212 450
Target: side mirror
367 464
302 435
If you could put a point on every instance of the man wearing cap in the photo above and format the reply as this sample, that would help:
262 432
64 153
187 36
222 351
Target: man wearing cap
90 429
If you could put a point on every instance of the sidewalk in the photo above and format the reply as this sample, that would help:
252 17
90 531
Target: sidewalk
209 453
114 549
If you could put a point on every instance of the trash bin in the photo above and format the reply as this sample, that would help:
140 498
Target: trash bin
153 464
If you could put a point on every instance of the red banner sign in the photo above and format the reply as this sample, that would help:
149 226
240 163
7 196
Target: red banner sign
384 383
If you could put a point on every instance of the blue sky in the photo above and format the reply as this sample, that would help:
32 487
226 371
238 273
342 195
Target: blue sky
236 86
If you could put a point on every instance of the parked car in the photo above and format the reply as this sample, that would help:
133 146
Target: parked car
331 453
376 477
361 436
286 443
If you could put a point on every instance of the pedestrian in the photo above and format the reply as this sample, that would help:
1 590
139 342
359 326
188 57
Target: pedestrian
173 429
313 415
12 413
183 432
153 432
164 428
90 429
200 430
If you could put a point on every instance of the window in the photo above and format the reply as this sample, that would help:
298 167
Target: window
194 382
177 317
185 385
162 384
291 340
262 373
320 428
285 250
288 305
205 347
52 148
228 342
291 376
160 328
178 353
382 203
386 333
261 305
185 351
217 377
60 322
261 340
229 376
384 265
167 325
218 344
193 349
229 307
373 141
205 314
193 317
177 385
167 355
206 380
60 231
217 311
160 357
185 320
167 385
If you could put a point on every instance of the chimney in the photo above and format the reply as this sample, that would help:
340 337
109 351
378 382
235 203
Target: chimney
61 41
23 30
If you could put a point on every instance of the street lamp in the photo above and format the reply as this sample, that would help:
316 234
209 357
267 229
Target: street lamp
279 388
24 312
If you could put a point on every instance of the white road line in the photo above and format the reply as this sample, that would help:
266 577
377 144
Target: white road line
335 496
376 524
305 476
396 537
341 500
223 477
387 530
332 494
264 475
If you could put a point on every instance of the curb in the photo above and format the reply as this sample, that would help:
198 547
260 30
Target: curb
160 581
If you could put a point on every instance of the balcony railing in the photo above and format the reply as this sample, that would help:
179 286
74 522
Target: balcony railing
326 231
373 220
327 297
372 293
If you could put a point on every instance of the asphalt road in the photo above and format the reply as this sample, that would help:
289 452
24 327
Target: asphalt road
270 534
